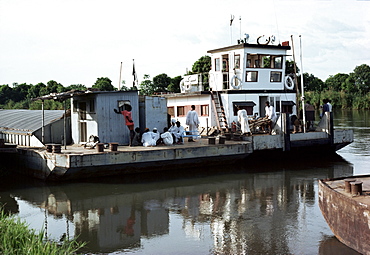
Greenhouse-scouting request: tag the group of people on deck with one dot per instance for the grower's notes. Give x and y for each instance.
(175, 132)
(270, 116)
(172, 135)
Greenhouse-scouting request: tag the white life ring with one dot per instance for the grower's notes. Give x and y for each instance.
(289, 83)
(232, 82)
(182, 85)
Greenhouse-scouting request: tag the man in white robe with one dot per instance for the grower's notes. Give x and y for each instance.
(147, 139)
(167, 137)
(243, 120)
(271, 115)
(179, 133)
(192, 121)
(155, 134)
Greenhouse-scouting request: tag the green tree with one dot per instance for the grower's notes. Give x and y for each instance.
(361, 76)
(311, 83)
(20, 92)
(289, 67)
(76, 87)
(349, 85)
(54, 87)
(104, 84)
(202, 66)
(161, 82)
(175, 85)
(336, 82)
(146, 86)
(5, 94)
(35, 91)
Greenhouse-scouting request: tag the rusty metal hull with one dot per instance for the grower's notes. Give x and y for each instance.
(347, 215)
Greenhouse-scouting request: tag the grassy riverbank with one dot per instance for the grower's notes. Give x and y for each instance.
(16, 238)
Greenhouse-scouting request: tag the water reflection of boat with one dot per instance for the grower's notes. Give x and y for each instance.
(238, 209)
(332, 246)
(345, 205)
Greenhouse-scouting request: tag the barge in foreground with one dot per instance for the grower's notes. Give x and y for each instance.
(345, 205)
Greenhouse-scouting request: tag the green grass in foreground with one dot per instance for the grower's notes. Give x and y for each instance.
(17, 238)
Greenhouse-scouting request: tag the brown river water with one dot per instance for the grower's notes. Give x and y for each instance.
(261, 207)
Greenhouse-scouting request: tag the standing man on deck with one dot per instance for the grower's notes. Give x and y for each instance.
(243, 120)
(270, 115)
(192, 121)
(125, 110)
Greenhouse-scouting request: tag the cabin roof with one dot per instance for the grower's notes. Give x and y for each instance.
(249, 45)
(27, 120)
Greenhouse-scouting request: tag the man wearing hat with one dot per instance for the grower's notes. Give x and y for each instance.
(125, 110)
(155, 135)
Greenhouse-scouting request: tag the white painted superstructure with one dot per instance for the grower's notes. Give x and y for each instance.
(245, 75)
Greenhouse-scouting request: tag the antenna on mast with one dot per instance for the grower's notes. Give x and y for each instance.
(120, 75)
(231, 28)
(240, 27)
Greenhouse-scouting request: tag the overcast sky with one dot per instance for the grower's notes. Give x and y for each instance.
(78, 41)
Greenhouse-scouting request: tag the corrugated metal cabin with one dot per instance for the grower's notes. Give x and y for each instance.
(24, 127)
(93, 114)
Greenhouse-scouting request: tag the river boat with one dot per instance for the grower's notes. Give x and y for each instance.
(245, 76)
(345, 205)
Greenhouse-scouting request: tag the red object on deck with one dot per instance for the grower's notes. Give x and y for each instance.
(286, 43)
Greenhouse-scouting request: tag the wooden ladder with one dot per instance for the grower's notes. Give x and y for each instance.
(219, 111)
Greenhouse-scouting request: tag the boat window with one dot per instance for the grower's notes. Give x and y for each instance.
(217, 64)
(251, 76)
(277, 62)
(180, 111)
(75, 106)
(225, 63)
(204, 110)
(171, 111)
(92, 105)
(237, 61)
(82, 110)
(275, 76)
(225, 81)
(264, 61)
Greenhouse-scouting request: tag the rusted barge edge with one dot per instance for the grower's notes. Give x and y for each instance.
(346, 215)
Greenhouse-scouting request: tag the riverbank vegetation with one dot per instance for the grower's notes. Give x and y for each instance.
(16, 238)
(346, 91)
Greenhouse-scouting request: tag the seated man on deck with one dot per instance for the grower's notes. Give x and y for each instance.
(167, 137)
(147, 138)
(180, 131)
(173, 129)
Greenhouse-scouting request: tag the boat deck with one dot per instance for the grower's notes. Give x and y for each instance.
(80, 149)
(339, 186)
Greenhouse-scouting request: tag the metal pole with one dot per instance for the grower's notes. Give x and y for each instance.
(295, 75)
(65, 126)
(43, 123)
(302, 96)
(120, 73)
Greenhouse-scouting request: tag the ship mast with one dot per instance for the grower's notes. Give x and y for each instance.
(302, 87)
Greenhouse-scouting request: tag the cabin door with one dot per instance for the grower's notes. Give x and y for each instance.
(262, 106)
(82, 121)
(225, 71)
